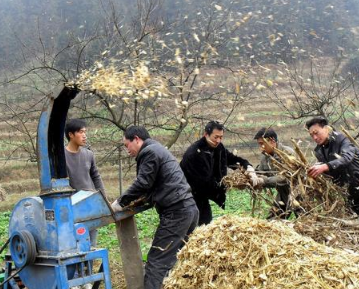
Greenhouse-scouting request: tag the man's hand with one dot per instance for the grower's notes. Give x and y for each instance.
(259, 183)
(255, 180)
(116, 206)
(317, 169)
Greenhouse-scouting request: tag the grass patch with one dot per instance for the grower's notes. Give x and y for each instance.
(4, 226)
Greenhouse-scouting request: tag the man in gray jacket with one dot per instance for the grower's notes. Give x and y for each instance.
(81, 166)
(161, 180)
(271, 179)
(80, 161)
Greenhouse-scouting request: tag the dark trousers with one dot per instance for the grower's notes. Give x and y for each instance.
(281, 207)
(172, 232)
(205, 211)
(353, 198)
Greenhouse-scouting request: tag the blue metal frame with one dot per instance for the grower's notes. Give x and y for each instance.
(60, 270)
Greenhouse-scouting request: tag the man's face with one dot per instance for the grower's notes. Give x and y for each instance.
(268, 146)
(319, 134)
(215, 138)
(78, 137)
(133, 147)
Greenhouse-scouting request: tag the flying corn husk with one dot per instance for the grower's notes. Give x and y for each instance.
(136, 81)
(249, 253)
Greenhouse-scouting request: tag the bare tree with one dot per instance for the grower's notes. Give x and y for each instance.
(186, 74)
(317, 87)
(21, 118)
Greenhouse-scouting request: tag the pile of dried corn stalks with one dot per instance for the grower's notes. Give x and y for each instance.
(311, 195)
(318, 195)
(248, 253)
(325, 216)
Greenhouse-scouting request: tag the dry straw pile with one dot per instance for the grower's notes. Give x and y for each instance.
(318, 195)
(235, 252)
(324, 214)
(326, 218)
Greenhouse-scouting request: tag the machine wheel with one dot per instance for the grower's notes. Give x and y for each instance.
(22, 248)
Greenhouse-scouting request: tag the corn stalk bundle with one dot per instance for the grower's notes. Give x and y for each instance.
(249, 253)
(318, 195)
(237, 179)
(325, 216)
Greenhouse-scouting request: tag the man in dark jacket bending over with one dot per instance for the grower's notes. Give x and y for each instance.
(161, 180)
(337, 157)
(205, 164)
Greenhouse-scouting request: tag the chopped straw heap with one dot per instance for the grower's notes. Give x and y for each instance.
(235, 252)
(324, 214)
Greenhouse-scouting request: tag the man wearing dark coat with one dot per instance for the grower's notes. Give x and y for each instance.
(161, 180)
(337, 157)
(205, 163)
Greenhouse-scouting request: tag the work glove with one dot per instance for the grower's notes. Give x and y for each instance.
(260, 182)
(255, 180)
(125, 200)
(116, 206)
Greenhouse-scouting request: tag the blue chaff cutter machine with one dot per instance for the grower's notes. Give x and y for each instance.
(49, 234)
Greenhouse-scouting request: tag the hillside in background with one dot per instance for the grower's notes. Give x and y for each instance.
(278, 30)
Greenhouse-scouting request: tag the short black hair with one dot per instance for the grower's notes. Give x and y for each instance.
(210, 126)
(266, 132)
(74, 125)
(321, 121)
(135, 130)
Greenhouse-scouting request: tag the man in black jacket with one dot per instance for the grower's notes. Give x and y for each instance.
(205, 163)
(161, 180)
(337, 157)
